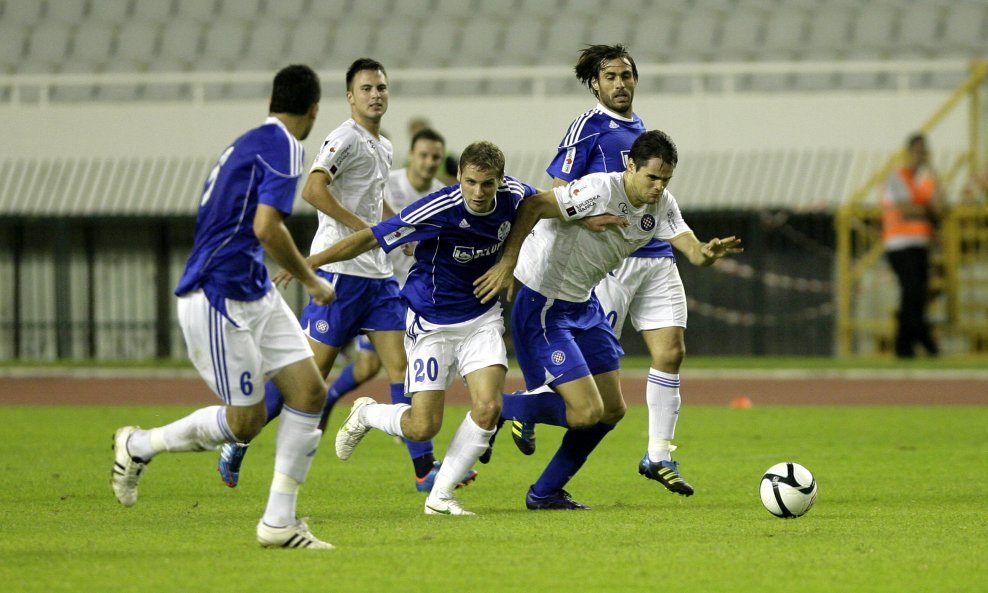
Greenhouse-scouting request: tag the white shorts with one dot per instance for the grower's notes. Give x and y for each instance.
(234, 357)
(437, 353)
(648, 289)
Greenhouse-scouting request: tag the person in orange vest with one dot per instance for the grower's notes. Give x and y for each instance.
(912, 202)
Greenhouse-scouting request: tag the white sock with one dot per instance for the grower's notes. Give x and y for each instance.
(468, 444)
(295, 446)
(663, 400)
(206, 428)
(384, 417)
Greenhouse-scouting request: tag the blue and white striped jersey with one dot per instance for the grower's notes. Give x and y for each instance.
(455, 247)
(598, 141)
(262, 166)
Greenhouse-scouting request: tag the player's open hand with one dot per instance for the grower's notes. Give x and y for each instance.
(599, 223)
(493, 281)
(282, 279)
(718, 248)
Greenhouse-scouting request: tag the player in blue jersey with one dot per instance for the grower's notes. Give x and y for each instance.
(405, 186)
(346, 184)
(238, 329)
(646, 286)
(459, 231)
(562, 337)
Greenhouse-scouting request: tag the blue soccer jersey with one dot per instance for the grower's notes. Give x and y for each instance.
(262, 166)
(599, 142)
(455, 247)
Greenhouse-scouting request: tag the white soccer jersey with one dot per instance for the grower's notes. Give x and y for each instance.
(563, 260)
(400, 193)
(358, 165)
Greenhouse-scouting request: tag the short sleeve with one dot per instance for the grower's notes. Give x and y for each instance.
(407, 226)
(280, 159)
(337, 151)
(671, 223)
(587, 196)
(571, 160)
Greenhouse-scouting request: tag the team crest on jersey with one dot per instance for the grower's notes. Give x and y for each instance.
(322, 326)
(502, 231)
(392, 237)
(568, 161)
(648, 222)
(558, 357)
(466, 255)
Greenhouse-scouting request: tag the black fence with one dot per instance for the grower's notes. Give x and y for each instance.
(774, 299)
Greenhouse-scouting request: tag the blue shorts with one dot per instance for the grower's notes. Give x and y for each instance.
(362, 304)
(560, 341)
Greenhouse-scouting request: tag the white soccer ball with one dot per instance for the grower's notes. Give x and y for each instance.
(788, 490)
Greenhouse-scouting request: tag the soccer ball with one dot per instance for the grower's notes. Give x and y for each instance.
(788, 490)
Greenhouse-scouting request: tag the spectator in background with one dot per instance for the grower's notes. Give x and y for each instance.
(447, 168)
(912, 202)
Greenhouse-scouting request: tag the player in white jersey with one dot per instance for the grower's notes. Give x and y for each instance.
(562, 338)
(238, 329)
(459, 231)
(405, 186)
(346, 184)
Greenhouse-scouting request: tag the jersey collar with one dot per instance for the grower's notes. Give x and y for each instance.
(609, 113)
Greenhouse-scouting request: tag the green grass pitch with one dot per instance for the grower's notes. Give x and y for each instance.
(902, 507)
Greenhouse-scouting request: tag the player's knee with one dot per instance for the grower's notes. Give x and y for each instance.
(247, 422)
(486, 414)
(614, 415)
(669, 358)
(422, 428)
(584, 416)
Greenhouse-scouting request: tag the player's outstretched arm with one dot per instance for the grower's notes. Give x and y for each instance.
(705, 254)
(500, 276)
(270, 230)
(348, 248)
(316, 192)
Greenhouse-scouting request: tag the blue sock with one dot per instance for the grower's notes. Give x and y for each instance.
(273, 400)
(343, 385)
(415, 449)
(572, 454)
(543, 408)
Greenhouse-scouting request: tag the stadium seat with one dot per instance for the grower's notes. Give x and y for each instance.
(964, 31)
(479, 43)
(919, 31)
(785, 34)
(199, 11)
(287, 11)
(181, 40)
(873, 32)
(653, 39)
(534, 9)
(136, 43)
(593, 9)
(110, 12)
(462, 9)
(396, 42)
(608, 29)
(352, 40)
(567, 35)
(829, 32)
(13, 43)
(47, 47)
(741, 36)
(335, 10)
(437, 40)
(698, 35)
(266, 48)
(22, 12)
(247, 11)
(224, 43)
(153, 11)
(66, 11)
(308, 42)
(522, 42)
(92, 45)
